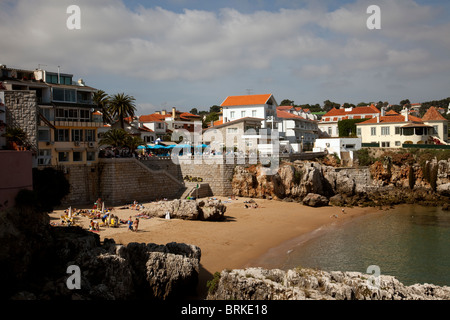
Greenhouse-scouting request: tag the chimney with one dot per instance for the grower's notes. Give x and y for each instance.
(378, 118)
(383, 111)
(157, 112)
(163, 112)
(174, 113)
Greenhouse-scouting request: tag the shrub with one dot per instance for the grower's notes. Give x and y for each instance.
(213, 283)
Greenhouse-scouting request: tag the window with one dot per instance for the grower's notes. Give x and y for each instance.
(89, 135)
(329, 131)
(48, 114)
(77, 135)
(85, 115)
(66, 95)
(44, 135)
(242, 114)
(77, 156)
(397, 143)
(232, 114)
(90, 156)
(254, 113)
(358, 131)
(435, 129)
(385, 144)
(385, 131)
(373, 131)
(397, 130)
(45, 157)
(62, 135)
(63, 156)
(67, 114)
(232, 130)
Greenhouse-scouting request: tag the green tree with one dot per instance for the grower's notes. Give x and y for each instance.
(287, 102)
(194, 111)
(328, 105)
(101, 100)
(212, 116)
(114, 138)
(122, 106)
(132, 142)
(214, 108)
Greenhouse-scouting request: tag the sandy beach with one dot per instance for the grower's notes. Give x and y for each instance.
(245, 238)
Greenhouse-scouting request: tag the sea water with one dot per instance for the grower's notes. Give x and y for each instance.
(409, 242)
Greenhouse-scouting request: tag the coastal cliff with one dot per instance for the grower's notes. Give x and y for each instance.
(383, 183)
(309, 284)
(34, 259)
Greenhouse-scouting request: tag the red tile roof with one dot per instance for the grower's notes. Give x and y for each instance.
(154, 117)
(433, 115)
(246, 100)
(286, 115)
(392, 119)
(358, 110)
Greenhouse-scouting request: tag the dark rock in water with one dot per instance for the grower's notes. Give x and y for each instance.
(34, 261)
(315, 200)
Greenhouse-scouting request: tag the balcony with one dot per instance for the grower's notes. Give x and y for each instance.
(83, 124)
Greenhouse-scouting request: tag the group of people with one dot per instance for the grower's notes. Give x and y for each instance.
(133, 226)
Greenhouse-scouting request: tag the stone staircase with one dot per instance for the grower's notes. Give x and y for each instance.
(204, 190)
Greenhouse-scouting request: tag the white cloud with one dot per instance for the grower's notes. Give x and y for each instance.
(156, 44)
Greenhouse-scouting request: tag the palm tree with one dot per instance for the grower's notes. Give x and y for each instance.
(132, 142)
(101, 99)
(121, 106)
(114, 138)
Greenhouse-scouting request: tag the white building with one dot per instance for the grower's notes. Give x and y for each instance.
(328, 125)
(343, 147)
(300, 132)
(392, 130)
(261, 106)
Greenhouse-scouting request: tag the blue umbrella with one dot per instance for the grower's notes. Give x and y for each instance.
(141, 147)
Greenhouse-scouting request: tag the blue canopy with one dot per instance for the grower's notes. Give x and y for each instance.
(201, 146)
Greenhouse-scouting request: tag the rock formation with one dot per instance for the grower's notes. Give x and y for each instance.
(308, 284)
(34, 258)
(187, 209)
(383, 183)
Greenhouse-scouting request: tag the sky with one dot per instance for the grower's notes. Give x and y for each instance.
(194, 53)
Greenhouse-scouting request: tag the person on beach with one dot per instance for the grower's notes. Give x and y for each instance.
(136, 224)
(130, 224)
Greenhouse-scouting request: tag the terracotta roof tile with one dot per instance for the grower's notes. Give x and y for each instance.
(246, 100)
(286, 115)
(432, 115)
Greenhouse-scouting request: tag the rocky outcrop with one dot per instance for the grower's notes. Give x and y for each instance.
(34, 259)
(383, 183)
(187, 209)
(315, 200)
(308, 284)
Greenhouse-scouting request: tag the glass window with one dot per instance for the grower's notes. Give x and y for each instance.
(232, 114)
(232, 130)
(373, 131)
(397, 130)
(77, 135)
(90, 135)
(385, 144)
(44, 135)
(90, 156)
(254, 113)
(435, 129)
(63, 156)
(77, 156)
(385, 131)
(242, 114)
(45, 157)
(62, 135)
(58, 94)
(358, 131)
